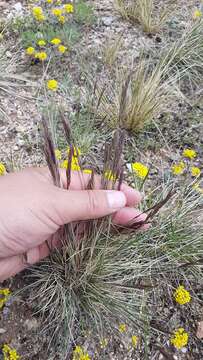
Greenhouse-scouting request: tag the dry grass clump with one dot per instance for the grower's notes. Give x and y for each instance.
(145, 12)
(135, 99)
(103, 273)
(185, 56)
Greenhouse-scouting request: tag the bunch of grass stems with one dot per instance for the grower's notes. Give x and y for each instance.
(133, 99)
(103, 273)
(185, 56)
(144, 12)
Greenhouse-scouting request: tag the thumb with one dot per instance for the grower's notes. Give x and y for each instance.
(86, 204)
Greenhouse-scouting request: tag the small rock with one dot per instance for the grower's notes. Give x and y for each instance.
(107, 20)
(18, 7)
(9, 54)
(31, 324)
(2, 331)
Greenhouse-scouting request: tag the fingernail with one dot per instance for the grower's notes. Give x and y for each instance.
(116, 199)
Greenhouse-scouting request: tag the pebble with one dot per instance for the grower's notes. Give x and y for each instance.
(31, 324)
(107, 20)
(2, 331)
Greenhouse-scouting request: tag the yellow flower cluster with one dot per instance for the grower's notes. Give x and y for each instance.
(58, 154)
(41, 42)
(52, 85)
(109, 175)
(134, 340)
(38, 13)
(2, 169)
(189, 153)
(122, 328)
(10, 354)
(80, 354)
(41, 55)
(180, 167)
(197, 14)
(75, 166)
(181, 295)
(179, 338)
(140, 170)
(195, 171)
(60, 12)
(4, 295)
(61, 48)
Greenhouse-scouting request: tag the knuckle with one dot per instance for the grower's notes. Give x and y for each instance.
(93, 203)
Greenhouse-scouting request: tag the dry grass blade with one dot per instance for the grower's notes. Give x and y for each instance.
(111, 49)
(10, 80)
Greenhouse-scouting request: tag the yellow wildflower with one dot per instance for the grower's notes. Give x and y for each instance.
(122, 328)
(49, 1)
(38, 13)
(69, 8)
(62, 19)
(30, 51)
(85, 357)
(57, 12)
(2, 169)
(55, 41)
(179, 338)
(5, 292)
(189, 153)
(52, 85)
(197, 14)
(80, 354)
(41, 55)
(4, 295)
(103, 343)
(181, 295)
(62, 49)
(74, 164)
(178, 169)
(195, 171)
(10, 354)
(41, 42)
(87, 171)
(139, 169)
(109, 175)
(78, 350)
(58, 154)
(134, 340)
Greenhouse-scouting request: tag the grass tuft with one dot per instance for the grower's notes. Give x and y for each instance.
(144, 12)
(135, 99)
(103, 274)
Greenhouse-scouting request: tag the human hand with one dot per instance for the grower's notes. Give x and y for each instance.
(32, 210)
